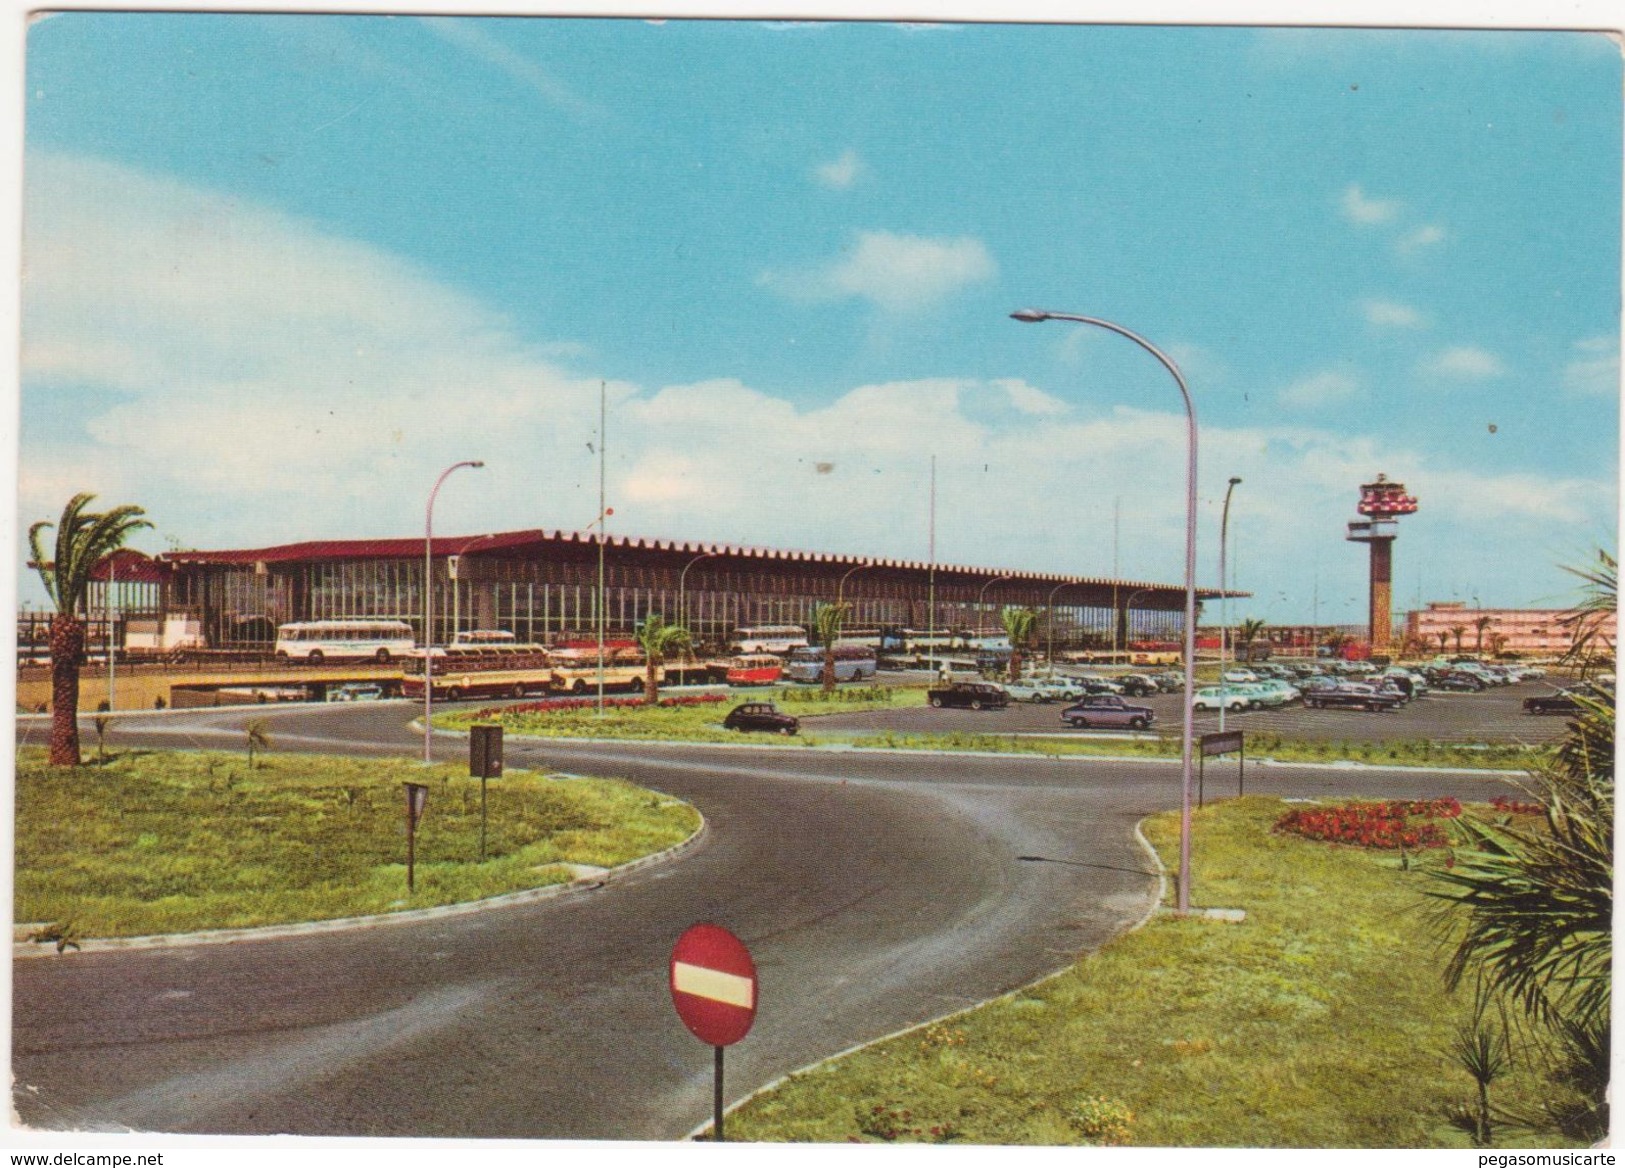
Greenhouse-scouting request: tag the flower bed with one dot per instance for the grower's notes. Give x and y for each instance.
(556, 705)
(1391, 825)
(1508, 806)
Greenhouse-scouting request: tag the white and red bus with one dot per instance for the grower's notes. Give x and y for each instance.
(754, 669)
(481, 671)
(344, 640)
(768, 639)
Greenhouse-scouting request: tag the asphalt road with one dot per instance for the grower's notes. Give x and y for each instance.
(1493, 715)
(875, 890)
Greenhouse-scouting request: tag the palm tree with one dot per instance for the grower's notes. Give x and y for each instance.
(1538, 903)
(1021, 625)
(83, 540)
(1590, 643)
(1458, 632)
(1481, 624)
(1444, 640)
(828, 620)
(257, 736)
(658, 641)
(1246, 633)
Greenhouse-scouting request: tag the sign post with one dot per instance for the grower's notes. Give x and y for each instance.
(484, 762)
(713, 987)
(417, 798)
(1224, 742)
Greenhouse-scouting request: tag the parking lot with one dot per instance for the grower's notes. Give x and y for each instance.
(1490, 716)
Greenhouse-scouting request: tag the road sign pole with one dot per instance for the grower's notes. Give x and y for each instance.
(411, 837)
(482, 819)
(1201, 778)
(716, 1096)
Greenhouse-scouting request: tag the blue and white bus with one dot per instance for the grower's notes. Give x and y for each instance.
(852, 663)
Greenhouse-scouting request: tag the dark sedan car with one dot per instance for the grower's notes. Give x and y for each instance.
(763, 716)
(1564, 700)
(975, 695)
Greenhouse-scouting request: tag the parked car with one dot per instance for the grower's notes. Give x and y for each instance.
(1242, 675)
(1108, 710)
(1564, 701)
(1030, 689)
(1355, 697)
(1460, 681)
(1137, 685)
(764, 716)
(975, 695)
(1209, 697)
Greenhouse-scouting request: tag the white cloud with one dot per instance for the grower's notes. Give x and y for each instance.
(1367, 212)
(898, 273)
(1415, 240)
(1596, 370)
(841, 173)
(276, 383)
(1392, 314)
(1028, 400)
(1320, 389)
(1465, 363)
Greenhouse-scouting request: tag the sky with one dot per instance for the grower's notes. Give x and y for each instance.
(281, 270)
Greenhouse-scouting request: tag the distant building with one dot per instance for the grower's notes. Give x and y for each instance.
(1528, 632)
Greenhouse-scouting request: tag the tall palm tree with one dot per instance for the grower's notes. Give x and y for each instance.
(1246, 633)
(1444, 640)
(1458, 632)
(658, 640)
(1590, 642)
(83, 540)
(828, 620)
(1021, 625)
(1481, 624)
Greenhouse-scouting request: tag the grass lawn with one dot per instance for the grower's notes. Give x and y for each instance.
(158, 842)
(1321, 1021)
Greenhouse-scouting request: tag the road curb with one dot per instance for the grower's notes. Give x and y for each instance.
(22, 950)
(1150, 914)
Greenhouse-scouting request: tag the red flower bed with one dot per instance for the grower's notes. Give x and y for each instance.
(554, 705)
(1391, 825)
(1517, 807)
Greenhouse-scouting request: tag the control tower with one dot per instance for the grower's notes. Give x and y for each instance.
(1381, 502)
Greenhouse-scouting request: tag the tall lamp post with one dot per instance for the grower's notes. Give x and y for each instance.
(1224, 596)
(428, 605)
(1128, 607)
(682, 580)
(1033, 315)
(1049, 621)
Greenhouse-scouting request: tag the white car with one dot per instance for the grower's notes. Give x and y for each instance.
(1031, 689)
(1241, 675)
(1208, 698)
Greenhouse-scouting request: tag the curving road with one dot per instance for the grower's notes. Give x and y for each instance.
(876, 890)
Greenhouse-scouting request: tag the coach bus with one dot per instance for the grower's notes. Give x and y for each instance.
(852, 663)
(313, 642)
(768, 639)
(481, 671)
(754, 669)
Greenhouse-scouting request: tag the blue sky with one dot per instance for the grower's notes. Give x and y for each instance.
(281, 270)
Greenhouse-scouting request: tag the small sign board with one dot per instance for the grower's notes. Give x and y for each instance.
(713, 984)
(417, 798)
(1226, 742)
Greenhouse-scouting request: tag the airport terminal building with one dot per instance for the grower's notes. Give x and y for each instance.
(544, 586)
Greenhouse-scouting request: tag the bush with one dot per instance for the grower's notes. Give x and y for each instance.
(1374, 825)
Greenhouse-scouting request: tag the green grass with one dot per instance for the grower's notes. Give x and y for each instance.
(1321, 1021)
(169, 842)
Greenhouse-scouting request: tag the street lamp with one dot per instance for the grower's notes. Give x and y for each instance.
(983, 593)
(428, 608)
(1032, 316)
(1128, 607)
(1049, 622)
(682, 579)
(1224, 596)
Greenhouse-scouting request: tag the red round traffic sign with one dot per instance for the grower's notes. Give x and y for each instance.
(713, 984)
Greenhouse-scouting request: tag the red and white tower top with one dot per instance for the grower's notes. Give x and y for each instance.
(1384, 500)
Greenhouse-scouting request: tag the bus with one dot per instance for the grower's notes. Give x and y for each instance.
(576, 669)
(852, 663)
(484, 637)
(344, 640)
(768, 639)
(754, 669)
(481, 671)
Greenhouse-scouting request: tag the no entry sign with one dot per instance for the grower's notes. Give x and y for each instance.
(713, 984)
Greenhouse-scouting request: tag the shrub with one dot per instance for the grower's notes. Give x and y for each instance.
(1101, 1120)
